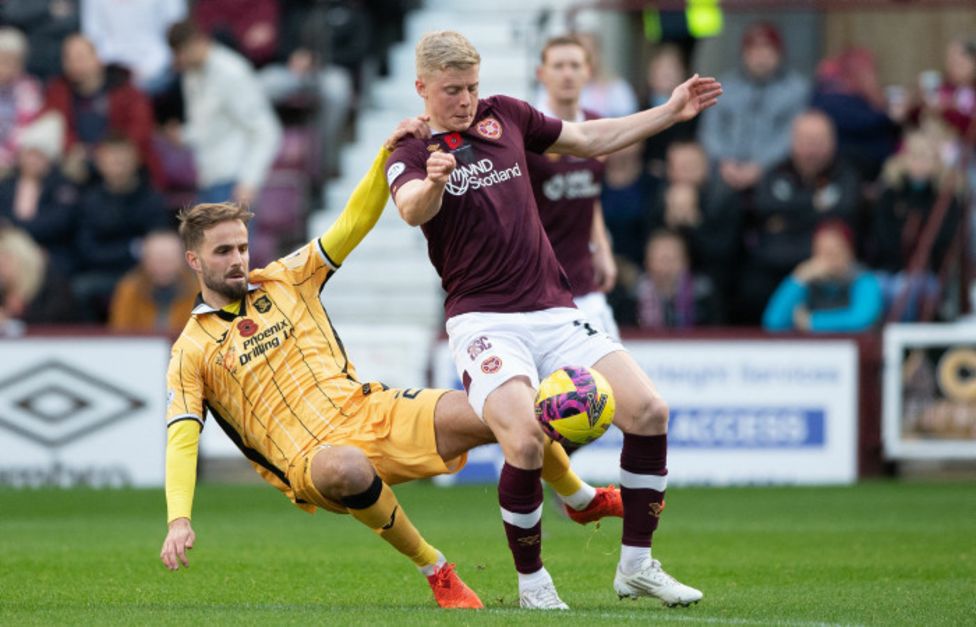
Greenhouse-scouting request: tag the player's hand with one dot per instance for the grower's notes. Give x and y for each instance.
(416, 126)
(440, 165)
(179, 540)
(604, 270)
(694, 96)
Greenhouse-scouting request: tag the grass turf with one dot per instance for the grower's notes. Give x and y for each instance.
(878, 553)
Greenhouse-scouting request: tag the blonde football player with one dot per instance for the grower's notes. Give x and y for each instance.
(509, 307)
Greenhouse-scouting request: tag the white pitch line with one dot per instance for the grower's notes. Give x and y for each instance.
(725, 621)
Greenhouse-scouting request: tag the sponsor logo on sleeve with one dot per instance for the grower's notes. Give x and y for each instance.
(395, 170)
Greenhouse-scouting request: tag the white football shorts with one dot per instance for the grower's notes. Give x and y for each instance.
(595, 307)
(491, 348)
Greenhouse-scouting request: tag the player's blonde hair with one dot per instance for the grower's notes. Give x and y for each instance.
(196, 220)
(445, 49)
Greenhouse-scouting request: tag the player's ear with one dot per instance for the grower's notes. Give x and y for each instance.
(421, 87)
(192, 260)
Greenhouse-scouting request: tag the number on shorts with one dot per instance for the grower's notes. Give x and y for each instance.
(586, 326)
(410, 393)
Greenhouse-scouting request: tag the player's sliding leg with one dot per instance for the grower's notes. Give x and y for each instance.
(344, 474)
(508, 410)
(643, 417)
(582, 502)
(458, 430)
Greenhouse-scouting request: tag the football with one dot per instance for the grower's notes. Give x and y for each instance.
(574, 405)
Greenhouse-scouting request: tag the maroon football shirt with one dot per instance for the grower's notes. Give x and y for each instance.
(566, 189)
(487, 242)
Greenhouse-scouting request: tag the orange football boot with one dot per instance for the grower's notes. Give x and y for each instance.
(450, 591)
(607, 502)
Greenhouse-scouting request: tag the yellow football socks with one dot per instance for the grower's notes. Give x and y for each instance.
(556, 471)
(386, 518)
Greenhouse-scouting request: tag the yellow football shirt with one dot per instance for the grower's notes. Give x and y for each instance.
(273, 373)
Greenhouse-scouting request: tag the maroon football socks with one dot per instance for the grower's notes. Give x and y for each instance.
(520, 497)
(643, 480)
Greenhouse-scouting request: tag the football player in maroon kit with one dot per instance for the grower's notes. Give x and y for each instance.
(509, 306)
(567, 188)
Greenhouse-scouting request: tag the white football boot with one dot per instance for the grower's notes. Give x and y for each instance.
(543, 597)
(651, 581)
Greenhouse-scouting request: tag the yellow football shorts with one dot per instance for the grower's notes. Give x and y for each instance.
(396, 432)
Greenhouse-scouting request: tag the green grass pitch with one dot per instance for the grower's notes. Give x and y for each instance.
(879, 553)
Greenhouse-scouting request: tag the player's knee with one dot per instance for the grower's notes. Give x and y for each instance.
(526, 449)
(650, 416)
(342, 471)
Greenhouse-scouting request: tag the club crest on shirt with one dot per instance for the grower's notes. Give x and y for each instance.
(247, 327)
(263, 304)
(491, 365)
(489, 128)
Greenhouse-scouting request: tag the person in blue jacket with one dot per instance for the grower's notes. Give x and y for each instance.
(828, 293)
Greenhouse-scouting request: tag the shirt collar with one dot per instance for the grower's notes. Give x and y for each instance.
(200, 307)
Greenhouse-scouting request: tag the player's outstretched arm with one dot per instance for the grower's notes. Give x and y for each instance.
(419, 200)
(182, 446)
(599, 137)
(368, 200)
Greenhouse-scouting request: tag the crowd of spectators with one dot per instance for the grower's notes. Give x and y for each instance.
(822, 203)
(115, 114)
(814, 203)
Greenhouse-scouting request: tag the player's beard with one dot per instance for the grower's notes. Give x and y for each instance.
(219, 283)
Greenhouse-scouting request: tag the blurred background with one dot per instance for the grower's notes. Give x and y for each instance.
(844, 139)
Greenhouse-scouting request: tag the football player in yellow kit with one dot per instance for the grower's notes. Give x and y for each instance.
(260, 356)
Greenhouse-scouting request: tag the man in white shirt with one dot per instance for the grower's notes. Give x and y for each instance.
(230, 125)
(133, 34)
